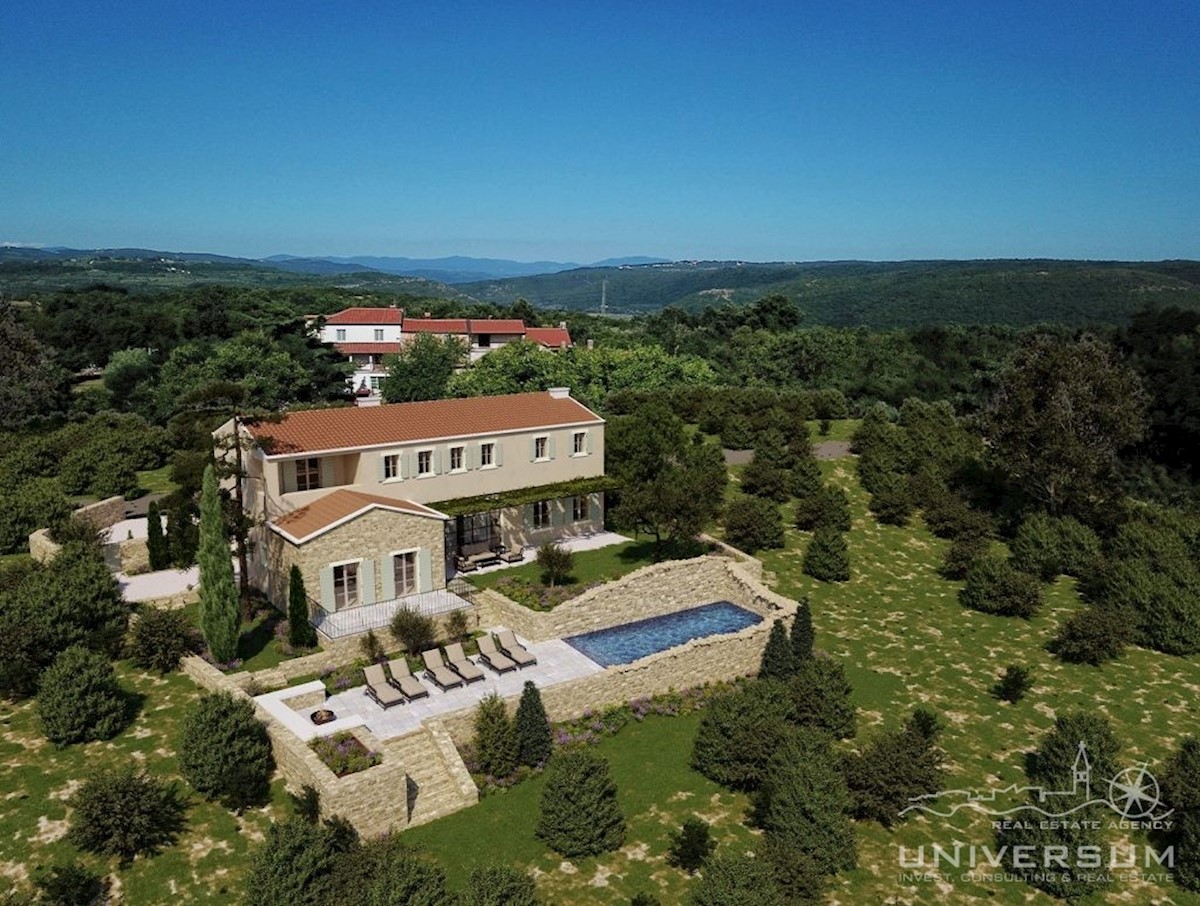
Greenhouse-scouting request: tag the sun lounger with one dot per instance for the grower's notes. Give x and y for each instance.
(437, 671)
(493, 657)
(403, 680)
(514, 649)
(461, 664)
(378, 689)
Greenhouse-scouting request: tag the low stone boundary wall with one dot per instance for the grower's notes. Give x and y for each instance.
(41, 547)
(104, 513)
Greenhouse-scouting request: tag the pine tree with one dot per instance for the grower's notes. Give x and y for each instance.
(220, 617)
(827, 557)
(778, 661)
(532, 728)
(579, 813)
(495, 742)
(300, 631)
(803, 636)
(156, 541)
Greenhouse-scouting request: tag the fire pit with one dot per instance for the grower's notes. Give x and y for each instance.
(323, 716)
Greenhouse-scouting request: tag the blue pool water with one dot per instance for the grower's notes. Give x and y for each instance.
(626, 643)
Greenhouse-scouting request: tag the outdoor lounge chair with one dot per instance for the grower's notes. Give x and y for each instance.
(403, 680)
(462, 665)
(493, 657)
(435, 669)
(514, 649)
(378, 689)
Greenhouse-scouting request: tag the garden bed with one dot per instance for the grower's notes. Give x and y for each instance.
(344, 753)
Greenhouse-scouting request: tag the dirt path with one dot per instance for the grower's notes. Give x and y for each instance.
(826, 449)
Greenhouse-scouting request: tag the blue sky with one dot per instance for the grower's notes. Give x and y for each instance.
(573, 131)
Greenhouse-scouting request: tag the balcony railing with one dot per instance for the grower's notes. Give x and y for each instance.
(365, 617)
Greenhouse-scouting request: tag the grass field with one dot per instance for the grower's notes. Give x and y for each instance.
(157, 481)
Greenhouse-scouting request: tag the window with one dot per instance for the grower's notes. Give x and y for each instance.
(340, 334)
(405, 568)
(376, 382)
(579, 445)
(579, 509)
(540, 448)
(308, 474)
(487, 455)
(541, 514)
(345, 585)
(456, 459)
(378, 334)
(391, 466)
(483, 340)
(425, 462)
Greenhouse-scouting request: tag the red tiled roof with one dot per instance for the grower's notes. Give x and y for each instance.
(340, 506)
(496, 325)
(435, 325)
(316, 430)
(367, 316)
(549, 336)
(367, 348)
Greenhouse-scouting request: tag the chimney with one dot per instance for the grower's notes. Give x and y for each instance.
(560, 393)
(562, 325)
(591, 343)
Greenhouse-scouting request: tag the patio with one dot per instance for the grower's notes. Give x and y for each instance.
(528, 555)
(355, 620)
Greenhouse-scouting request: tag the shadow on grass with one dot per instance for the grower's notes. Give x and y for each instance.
(257, 637)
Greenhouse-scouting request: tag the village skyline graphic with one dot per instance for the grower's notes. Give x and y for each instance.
(1133, 793)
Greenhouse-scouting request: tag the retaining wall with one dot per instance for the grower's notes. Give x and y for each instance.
(41, 548)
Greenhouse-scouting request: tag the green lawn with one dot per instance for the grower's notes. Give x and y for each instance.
(157, 481)
(839, 429)
(657, 791)
(206, 863)
(257, 648)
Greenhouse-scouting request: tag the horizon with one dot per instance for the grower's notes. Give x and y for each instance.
(771, 133)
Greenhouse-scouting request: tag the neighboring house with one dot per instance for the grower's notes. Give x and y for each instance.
(375, 503)
(366, 335)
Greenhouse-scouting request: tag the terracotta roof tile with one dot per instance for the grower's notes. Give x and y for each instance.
(337, 507)
(367, 316)
(435, 325)
(316, 430)
(496, 325)
(549, 336)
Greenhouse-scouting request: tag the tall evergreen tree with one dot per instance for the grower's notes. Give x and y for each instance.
(579, 813)
(300, 631)
(827, 557)
(778, 662)
(219, 611)
(156, 541)
(532, 727)
(495, 741)
(803, 636)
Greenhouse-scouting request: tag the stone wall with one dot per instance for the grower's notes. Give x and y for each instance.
(41, 548)
(104, 513)
(134, 556)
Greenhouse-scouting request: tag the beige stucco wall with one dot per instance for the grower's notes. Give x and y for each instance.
(517, 532)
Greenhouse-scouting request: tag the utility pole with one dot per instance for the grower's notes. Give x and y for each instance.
(603, 298)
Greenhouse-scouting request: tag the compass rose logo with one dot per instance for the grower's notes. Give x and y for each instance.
(1133, 793)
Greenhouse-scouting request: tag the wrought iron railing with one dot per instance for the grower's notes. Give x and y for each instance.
(365, 617)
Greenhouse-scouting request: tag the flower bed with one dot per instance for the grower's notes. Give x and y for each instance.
(536, 596)
(343, 753)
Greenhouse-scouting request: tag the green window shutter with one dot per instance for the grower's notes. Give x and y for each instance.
(328, 476)
(557, 516)
(382, 467)
(424, 570)
(366, 582)
(550, 446)
(587, 441)
(471, 456)
(437, 461)
(327, 588)
(498, 454)
(388, 565)
(287, 474)
(527, 517)
(533, 450)
(405, 465)
(595, 508)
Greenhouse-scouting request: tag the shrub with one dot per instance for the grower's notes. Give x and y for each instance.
(225, 753)
(160, 639)
(125, 812)
(1078, 546)
(753, 524)
(301, 633)
(827, 557)
(1181, 779)
(994, 586)
(737, 880)
(500, 885)
(371, 647)
(1187, 849)
(1073, 839)
(739, 732)
(579, 813)
(802, 633)
(156, 541)
(820, 696)
(1035, 548)
(555, 563)
(893, 505)
(307, 803)
(805, 479)
(828, 507)
(532, 728)
(415, 632)
(691, 845)
(31, 505)
(1014, 683)
(641, 898)
(778, 659)
(1094, 635)
(343, 753)
(737, 433)
(293, 865)
(895, 767)
(962, 554)
(1055, 759)
(68, 885)
(496, 745)
(387, 871)
(79, 699)
(457, 626)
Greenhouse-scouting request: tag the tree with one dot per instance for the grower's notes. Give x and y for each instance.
(691, 845)
(415, 631)
(1054, 761)
(995, 586)
(69, 884)
(33, 504)
(387, 871)
(894, 768)
(820, 697)
(827, 556)
(160, 639)
(301, 633)
(156, 541)
(555, 562)
(183, 535)
(803, 636)
(961, 555)
(778, 659)
(768, 474)
(532, 728)
(1181, 778)
(737, 880)
(753, 524)
(1015, 682)
(293, 866)
(1061, 414)
(496, 745)
(79, 698)
(225, 753)
(740, 731)
(579, 814)
(805, 479)
(499, 885)
(1094, 635)
(892, 501)
(422, 368)
(125, 812)
(32, 384)
(829, 507)
(220, 618)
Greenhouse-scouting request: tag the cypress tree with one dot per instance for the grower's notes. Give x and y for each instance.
(778, 662)
(532, 728)
(156, 541)
(579, 813)
(300, 631)
(495, 741)
(220, 617)
(803, 636)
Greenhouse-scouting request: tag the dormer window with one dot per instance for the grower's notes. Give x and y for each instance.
(308, 474)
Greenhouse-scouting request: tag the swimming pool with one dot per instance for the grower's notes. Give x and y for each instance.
(626, 643)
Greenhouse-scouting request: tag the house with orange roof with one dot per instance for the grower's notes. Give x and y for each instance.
(380, 503)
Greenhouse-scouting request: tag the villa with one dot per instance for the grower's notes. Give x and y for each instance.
(386, 503)
(366, 335)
